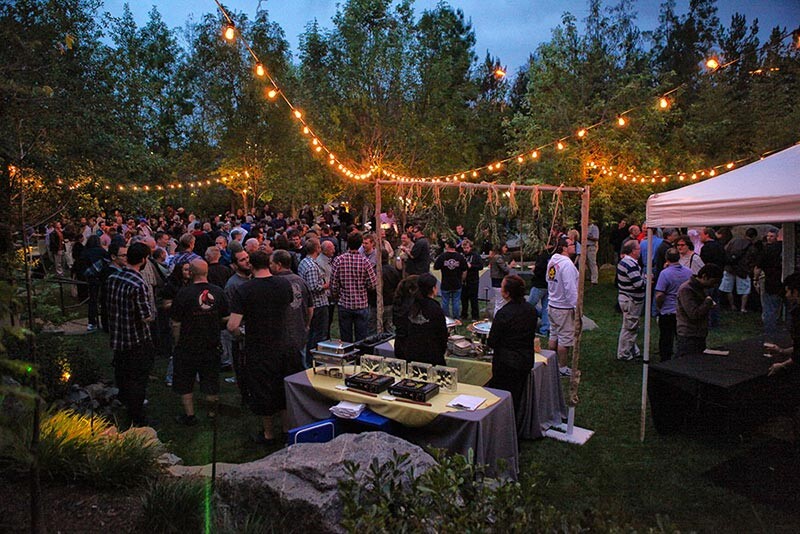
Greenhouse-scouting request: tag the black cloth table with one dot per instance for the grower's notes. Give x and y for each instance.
(735, 387)
(489, 433)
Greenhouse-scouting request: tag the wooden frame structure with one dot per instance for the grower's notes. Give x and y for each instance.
(585, 198)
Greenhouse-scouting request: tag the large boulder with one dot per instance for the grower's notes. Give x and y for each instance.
(299, 484)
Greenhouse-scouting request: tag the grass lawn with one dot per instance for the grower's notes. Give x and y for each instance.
(614, 472)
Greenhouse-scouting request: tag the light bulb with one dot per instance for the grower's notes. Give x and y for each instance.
(272, 93)
(535, 154)
(230, 33)
(712, 63)
(260, 71)
(663, 103)
(581, 132)
(297, 114)
(560, 145)
(621, 121)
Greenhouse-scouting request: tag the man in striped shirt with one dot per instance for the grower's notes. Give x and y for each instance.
(631, 285)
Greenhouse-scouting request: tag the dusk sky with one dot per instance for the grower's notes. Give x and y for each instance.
(509, 29)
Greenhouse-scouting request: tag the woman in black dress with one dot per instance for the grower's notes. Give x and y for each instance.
(512, 337)
(420, 326)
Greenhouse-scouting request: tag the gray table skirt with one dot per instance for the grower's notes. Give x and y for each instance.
(490, 434)
(543, 403)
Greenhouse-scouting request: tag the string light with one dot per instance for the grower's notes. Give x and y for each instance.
(499, 73)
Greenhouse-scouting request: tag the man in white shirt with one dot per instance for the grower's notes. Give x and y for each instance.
(562, 291)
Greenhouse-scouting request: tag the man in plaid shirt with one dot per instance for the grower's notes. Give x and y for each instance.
(311, 273)
(129, 311)
(352, 276)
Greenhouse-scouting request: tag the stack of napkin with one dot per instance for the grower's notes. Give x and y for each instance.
(347, 410)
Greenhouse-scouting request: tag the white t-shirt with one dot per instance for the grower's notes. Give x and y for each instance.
(562, 282)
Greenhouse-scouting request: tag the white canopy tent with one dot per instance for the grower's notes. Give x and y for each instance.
(766, 191)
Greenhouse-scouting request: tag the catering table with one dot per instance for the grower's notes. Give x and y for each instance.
(488, 432)
(543, 403)
(733, 388)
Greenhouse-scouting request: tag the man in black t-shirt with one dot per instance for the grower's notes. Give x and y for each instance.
(419, 257)
(262, 303)
(198, 313)
(454, 270)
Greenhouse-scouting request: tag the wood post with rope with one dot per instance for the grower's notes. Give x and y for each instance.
(379, 262)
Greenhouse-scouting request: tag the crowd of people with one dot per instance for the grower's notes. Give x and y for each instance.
(256, 292)
(694, 275)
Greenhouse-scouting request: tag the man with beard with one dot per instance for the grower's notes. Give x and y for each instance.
(262, 303)
(198, 312)
(301, 309)
(312, 274)
(231, 350)
(129, 312)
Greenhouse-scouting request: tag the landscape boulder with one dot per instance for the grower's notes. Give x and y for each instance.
(299, 484)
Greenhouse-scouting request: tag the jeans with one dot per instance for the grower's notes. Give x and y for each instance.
(469, 299)
(131, 371)
(353, 324)
(318, 332)
(539, 299)
(668, 329)
(226, 340)
(631, 312)
(94, 296)
(388, 322)
(451, 303)
(372, 324)
(689, 345)
(770, 310)
(591, 262)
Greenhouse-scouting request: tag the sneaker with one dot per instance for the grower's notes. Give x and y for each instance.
(625, 358)
(565, 371)
(231, 380)
(187, 420)
(91, 328)
(168, 383)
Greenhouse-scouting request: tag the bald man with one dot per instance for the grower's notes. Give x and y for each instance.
(199, 312)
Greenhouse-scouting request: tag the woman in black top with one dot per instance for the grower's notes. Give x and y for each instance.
(512, 338)
(420, 326)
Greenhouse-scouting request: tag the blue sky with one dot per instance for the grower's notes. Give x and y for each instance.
(509, 29)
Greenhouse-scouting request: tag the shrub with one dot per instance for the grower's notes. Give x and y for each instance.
(173, 505)
(454, 496)
(61, 361)
(79, 448)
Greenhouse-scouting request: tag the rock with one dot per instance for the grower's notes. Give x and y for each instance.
(299, 484)
(168, 459)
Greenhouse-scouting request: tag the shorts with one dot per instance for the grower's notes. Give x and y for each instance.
(188, 366)
(264, 374)
(742, 284)
(562, 326)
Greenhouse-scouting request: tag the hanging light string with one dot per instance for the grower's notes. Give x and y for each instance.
(317, 145)
(621, 120)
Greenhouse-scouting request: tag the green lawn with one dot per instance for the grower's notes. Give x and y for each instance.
(614, 472)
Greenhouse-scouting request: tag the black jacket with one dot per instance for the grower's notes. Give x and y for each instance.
(512, 335)
(420, 331)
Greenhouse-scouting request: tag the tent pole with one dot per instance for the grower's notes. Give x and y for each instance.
(379, 262)
(648, 303)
